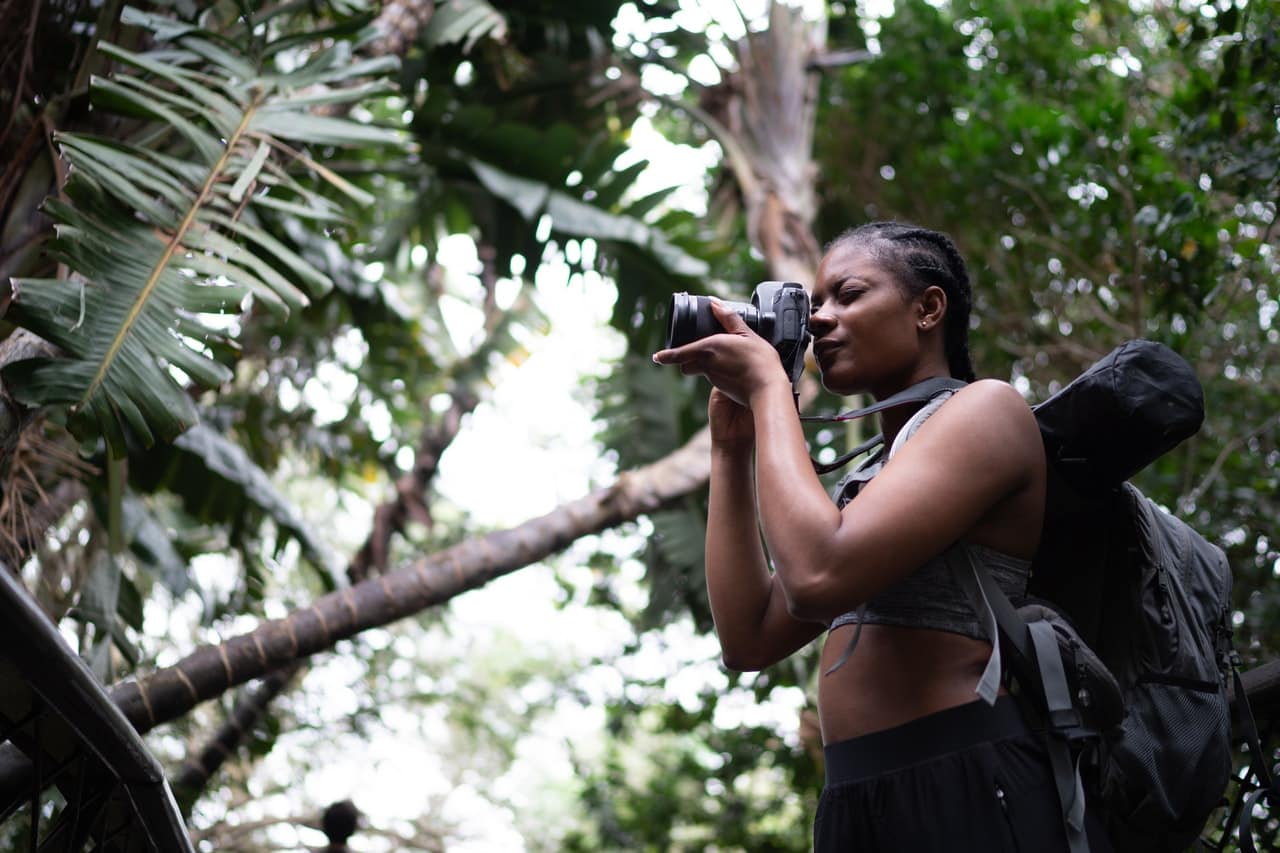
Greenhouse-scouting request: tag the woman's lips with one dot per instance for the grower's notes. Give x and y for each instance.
(824, 351)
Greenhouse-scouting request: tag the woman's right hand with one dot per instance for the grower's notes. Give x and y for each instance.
(732, 427)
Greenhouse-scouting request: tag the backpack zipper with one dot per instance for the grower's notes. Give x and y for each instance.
(1166, 609)
(1083, 696)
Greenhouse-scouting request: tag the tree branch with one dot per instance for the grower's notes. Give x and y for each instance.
(838, 59)
(249, 708)
(210, 670)
(1215, 470)
(399, 25)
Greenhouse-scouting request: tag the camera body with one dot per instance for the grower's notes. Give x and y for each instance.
(778, 312)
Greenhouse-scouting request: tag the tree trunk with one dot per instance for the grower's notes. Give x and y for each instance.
(399, 25)
(15, 417)
(249, 709)
(767, 108)
(210, 670)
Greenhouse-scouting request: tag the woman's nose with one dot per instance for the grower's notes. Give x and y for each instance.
(820, 323)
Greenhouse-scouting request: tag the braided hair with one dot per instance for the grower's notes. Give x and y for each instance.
(919, 258)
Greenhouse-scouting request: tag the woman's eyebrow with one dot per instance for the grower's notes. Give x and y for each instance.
(840, 282)
(832, 285)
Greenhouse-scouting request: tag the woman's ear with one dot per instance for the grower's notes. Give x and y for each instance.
(931, 307)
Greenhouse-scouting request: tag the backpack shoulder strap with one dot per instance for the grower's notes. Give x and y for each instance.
(1037, 660)
(917, 420)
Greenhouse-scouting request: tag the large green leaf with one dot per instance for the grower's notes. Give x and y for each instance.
(160, 232)
(464, 21)
(577, 218)
(224, 460)
(150, 543)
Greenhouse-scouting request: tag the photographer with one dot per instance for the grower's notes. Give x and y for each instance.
(914, 761)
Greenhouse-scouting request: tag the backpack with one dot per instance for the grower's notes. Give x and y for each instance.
(1123, 647)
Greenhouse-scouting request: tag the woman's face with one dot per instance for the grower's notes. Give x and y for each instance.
(865, 328)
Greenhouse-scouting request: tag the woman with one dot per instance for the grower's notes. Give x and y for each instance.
(914, 760)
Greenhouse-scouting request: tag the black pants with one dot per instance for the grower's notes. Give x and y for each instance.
(972, 777)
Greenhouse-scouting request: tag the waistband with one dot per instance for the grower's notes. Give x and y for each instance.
(920, 740)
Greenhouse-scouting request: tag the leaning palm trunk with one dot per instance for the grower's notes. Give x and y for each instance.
(209, 671)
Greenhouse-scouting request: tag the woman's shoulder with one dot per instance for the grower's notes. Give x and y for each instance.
(994, 392)
(993, 397)
(989, 412)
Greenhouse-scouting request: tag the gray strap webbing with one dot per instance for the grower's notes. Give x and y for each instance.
(853, 641)
(986, 597)
(1066, 776)
(1057, 693)
(971, 582)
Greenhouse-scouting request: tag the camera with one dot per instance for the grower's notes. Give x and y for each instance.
(778, 312)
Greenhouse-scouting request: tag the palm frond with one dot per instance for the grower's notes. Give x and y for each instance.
(577, 218)
(465, 22)
(161, 231)
(211, 465)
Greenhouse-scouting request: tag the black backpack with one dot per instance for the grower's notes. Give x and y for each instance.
(1144, 591)
(1123, 647)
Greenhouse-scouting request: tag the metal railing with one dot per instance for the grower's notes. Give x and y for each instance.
(1262, 687)
(74, 775)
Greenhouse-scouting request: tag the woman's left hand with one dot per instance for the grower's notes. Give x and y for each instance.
(738, 362)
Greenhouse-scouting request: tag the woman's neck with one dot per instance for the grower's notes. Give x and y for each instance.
(892, 420)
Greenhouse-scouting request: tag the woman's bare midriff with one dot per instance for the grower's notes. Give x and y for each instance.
(896, 674)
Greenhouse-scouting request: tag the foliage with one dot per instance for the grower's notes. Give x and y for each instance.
(289, 204)
(691, 784)
(192, 213)
(238, 154)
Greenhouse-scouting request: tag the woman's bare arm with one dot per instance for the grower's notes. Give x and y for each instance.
(976, 452)
(747, 602)
(976, 458)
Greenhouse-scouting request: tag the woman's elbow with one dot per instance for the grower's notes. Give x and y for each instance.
(747, 657)
(737, 661)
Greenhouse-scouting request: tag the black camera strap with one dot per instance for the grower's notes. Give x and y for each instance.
(921, 392)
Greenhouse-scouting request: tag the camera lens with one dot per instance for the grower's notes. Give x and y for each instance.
(690, 318)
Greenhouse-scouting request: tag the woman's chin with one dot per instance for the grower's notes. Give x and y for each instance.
(838, 383)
